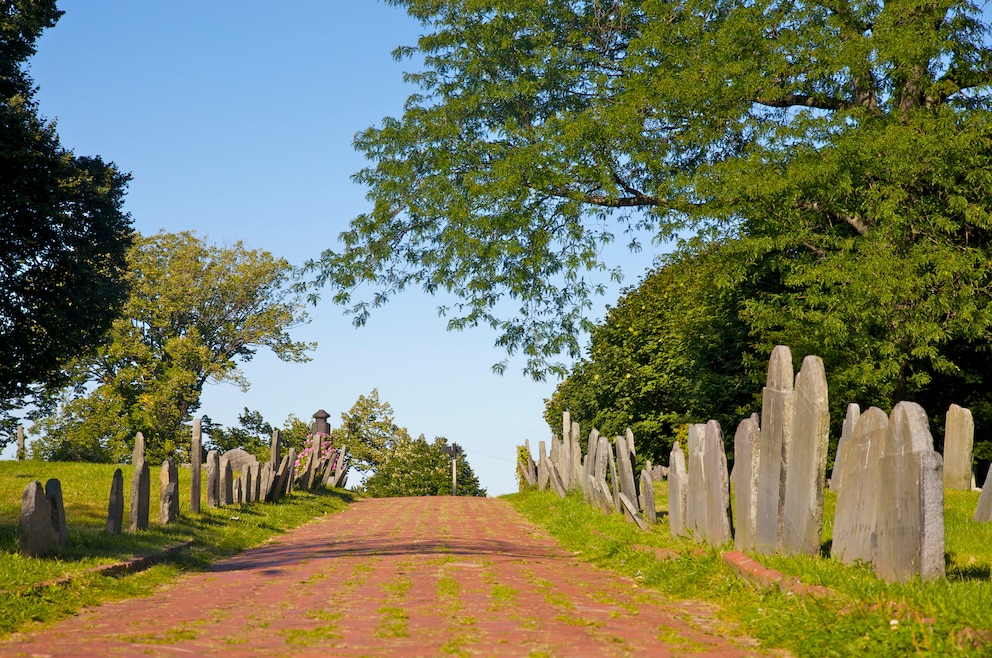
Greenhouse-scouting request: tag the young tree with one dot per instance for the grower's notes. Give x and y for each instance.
(252, 434)
(417, 468)
(195, 312)
(370, 432)
(65, 236)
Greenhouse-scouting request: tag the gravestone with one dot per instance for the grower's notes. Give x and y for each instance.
(196, 464)
(576, 459)
(695, 504)
(291, 478)
(959, 438)
(805, 477)
(35, 534)
(777, 411)
(238, 457)
(647, 498)
(239, 492)
(279, 479)
(856, 515)
(745, 481)
(256, 485)
(140, 486)
(911, 500)
(341, 468)
(556, 482)
(115, 506)
(225, 483)
(614, 478)
(53, 492)
(265, 479)
(169, 492)
(275, 447)
(846, 432)
(625, 466)
(677, 489)
(213, 478)
(708, 517)
(983, 511)
(248, 482)
(543, 479)
(22, 452)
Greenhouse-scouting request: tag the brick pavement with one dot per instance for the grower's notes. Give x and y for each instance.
(397, 577)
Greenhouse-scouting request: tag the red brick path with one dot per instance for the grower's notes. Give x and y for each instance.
(397, 577)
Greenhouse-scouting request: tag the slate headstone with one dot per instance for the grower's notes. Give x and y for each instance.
(677, 490)
(22, 452)
(140, 496)
(275, 447)
(983, 511)
(777, 411)
(115, 505)
(959, 439)
(169, 491)
(745, 482)
(196, 464)
(35, 534)
(213, 478)
(856, 516)
(543, 479)
(226, 483)
(647, 493)
(53, 492)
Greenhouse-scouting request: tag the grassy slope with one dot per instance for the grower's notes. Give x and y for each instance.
(865, 616)
(86, 489)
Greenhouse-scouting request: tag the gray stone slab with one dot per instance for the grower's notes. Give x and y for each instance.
(248, 482)
(291, 480)
(239, 491)
(805, 478)
(777, 412)
(35, 534)
(576, 457)
(22, 452)
(625, 468)
(543, 479)
(53, 492)
(614, 478)
(140, 495)
(695, 505)
(717, 481)
(275, 447)
(341, 468)
(213, 478)
(169, 492)
(632, 513)
(115, 504)
(138, 452)
(226, 483)
(195, 466)
(959, 439)
(846, 432)
(745, 482)
(555, 478)
(677, 490)
(238, 457)
(856, 516)
(647, 495)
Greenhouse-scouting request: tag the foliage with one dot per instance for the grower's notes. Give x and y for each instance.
(369, 431)
(326, 451)
(669, 353)
(195, 311)
(415, 467)
(215, 532)
(838, 154)
(252, 434)
(65, 235)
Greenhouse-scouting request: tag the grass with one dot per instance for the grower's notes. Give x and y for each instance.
(865, 616)
(216, 533)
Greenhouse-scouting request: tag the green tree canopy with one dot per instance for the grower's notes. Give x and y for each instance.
(370, 432)
(838, 151)
(195, 312)
(415, 467)
(64, 236)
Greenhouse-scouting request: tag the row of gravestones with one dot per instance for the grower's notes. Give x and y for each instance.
(42, 525)
(606, 478)
(888, 478)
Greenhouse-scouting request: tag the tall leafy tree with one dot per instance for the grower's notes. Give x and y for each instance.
(370, 431)
(196, 311)
(415, 467)
(840, 149)
(65, 236)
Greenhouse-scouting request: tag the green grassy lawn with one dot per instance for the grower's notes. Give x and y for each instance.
(864, 616)
(216, 533)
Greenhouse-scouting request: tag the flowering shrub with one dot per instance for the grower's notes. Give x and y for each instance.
(326, 451)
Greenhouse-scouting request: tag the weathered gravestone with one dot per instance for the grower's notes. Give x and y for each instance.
(625, 467)
(36, 535)
(237, 458)
(115, 505)
(708, 493)
(983, 511)
(265, 479)
(745, 481)
(777, 405)
(292, 471)
(213, 478)
(805, 477)
(543, 479)
(53, 492)
(226, 483)
(647, 497)
(677, 489)
(279, 478)
(846, 432)
(275, 446)
(195, 463)
(248, 482)
(169, 492)
(341, 468)
(857, 473)
(911, 499)
(959, 439)
(238, 493)
(22, 452)
(140, 486)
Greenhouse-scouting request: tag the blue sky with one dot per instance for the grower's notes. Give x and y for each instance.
(236, 120)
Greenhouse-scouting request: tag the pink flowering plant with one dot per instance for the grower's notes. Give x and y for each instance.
(326, 451)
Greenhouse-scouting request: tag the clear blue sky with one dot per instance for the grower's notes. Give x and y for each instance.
(236, 118)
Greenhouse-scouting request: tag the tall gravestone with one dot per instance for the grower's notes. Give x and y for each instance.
(195, 463)
(239, 493)
(708, 496)
(36, 536)
(140, 486)
(53, 492)
(275, 446)
(248, 482)
(213, 478)
(846, 432)
(695, 490)
(805, 478)
(745, 481)
(857, 472)
(169, 492)
(911, 499)
(777, 407)
(625, 466)
(226, 483)
(677, 482)
(22, 452)
(647, 495)
(983, 511)
(292, 471)
(115, 505)
(959, 439)
(543, 479)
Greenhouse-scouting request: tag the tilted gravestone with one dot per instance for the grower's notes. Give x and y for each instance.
(140, 486)
(279, 479)
(745, 482)
(53, 492)
(115, 505)
(292, 471)
(226, 483)
(275, 445)
(625, 466)
(341, 468)
(677, 489)
(543, 479)
(983, 511)
(805, 477)
(911, 499)
(196, 463)
(36, 536)
(856, 516)
(959, 439)
(169, 492)
(213, 478)
(846, 432)
(777, 404)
